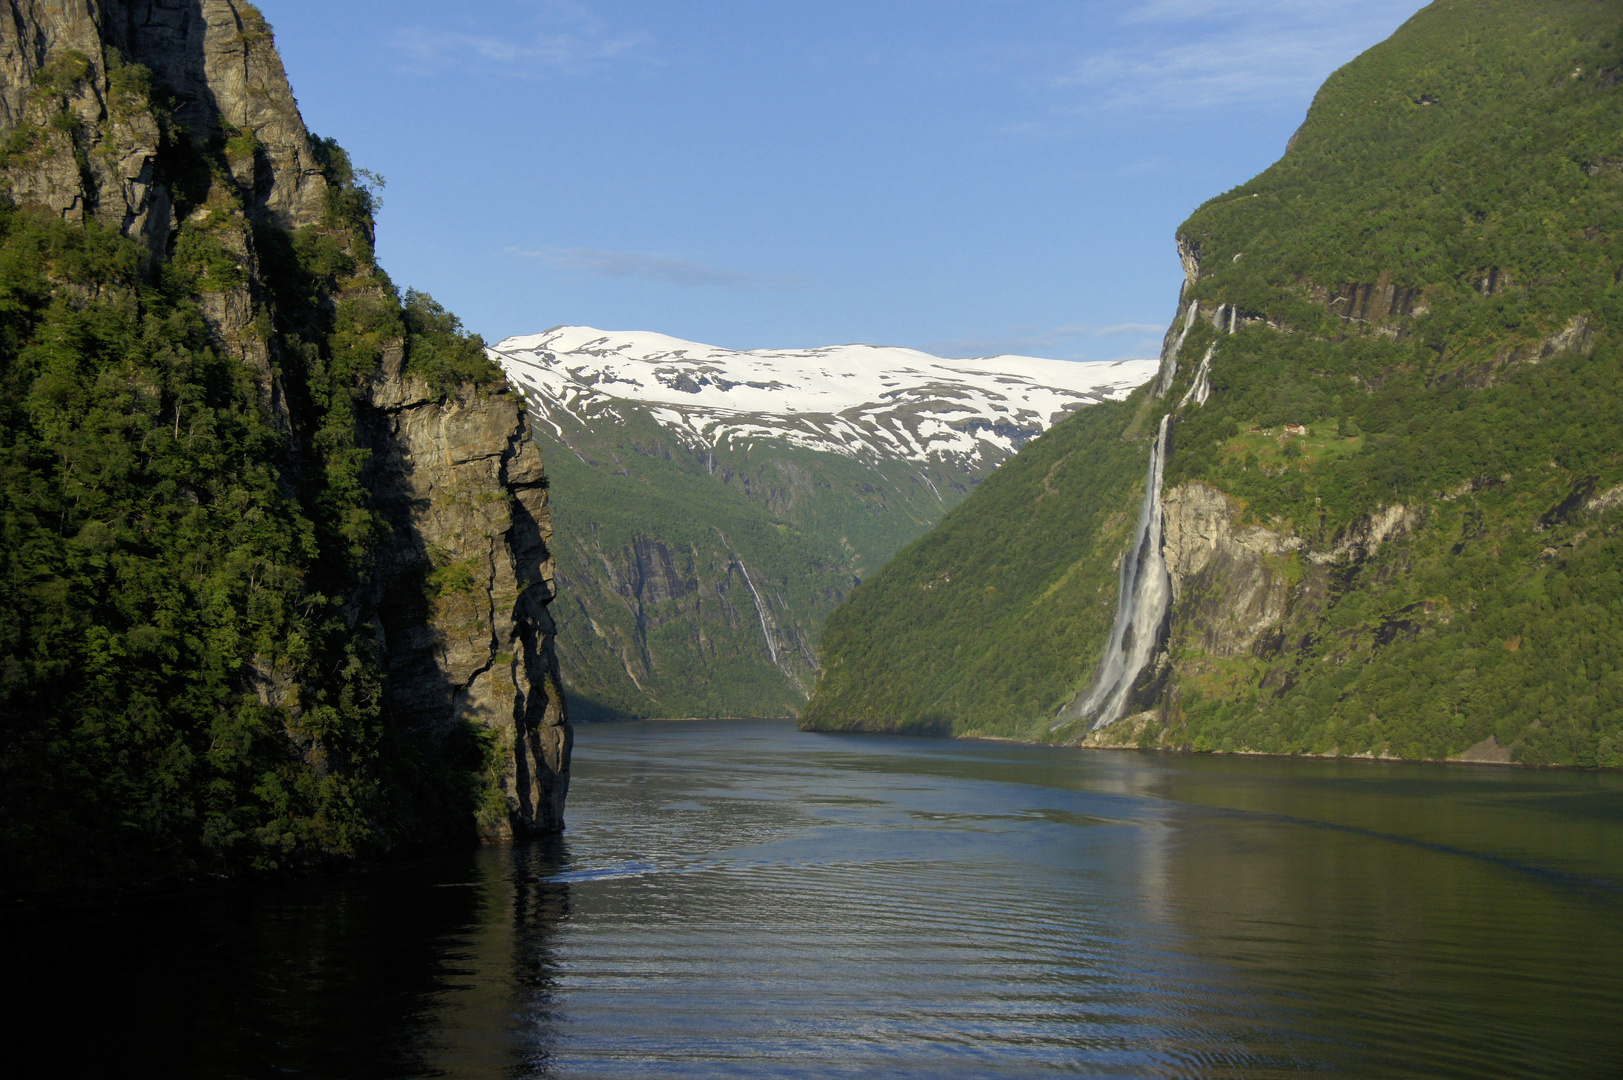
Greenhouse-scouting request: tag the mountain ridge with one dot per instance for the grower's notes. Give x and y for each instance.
(1006, 398)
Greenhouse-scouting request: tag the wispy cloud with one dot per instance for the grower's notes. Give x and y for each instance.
(1017, 340)
(631, 264)
(1142, 328)
(1194, 54)
(564, 38)
(1186, 10)
(1059, 342)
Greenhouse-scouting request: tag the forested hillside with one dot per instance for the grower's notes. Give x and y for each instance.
(1392, 526)
(228, 611)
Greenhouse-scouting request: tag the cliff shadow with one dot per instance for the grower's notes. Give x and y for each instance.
(445, 754)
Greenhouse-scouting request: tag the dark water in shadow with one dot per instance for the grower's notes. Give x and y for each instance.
(739, 899)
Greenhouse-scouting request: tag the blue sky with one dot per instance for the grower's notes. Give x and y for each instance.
(966, 177)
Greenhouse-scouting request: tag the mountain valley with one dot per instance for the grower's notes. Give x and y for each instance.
(714, 505)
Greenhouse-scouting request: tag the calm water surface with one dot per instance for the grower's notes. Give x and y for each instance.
(740, 899)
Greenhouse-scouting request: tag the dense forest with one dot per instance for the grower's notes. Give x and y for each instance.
(190, 674)
(1416, 314)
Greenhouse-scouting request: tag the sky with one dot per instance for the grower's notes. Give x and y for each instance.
(966, 177)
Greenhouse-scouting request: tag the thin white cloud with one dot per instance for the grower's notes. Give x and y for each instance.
(1056, 342)
(1186, 10)
(631, 264)
(565, 38)
(1196, 54)
(1017, 341)
(1151, 329)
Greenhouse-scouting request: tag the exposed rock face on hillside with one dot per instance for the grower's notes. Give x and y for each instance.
(1226, 590)
(171, 123)
(1242, 592)
(217, 60)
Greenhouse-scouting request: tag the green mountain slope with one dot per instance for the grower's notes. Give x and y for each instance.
(1427, 284)
(696, 584)
(974, 628)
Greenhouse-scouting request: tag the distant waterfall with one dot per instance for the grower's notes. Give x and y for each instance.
(760, 608)
(1169, 357)
(1201, 388)
(1141, 606)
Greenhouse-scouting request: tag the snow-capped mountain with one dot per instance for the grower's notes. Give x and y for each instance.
(854, 400)
(711, 507)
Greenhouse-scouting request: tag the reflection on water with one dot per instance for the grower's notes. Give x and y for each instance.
(740, 899)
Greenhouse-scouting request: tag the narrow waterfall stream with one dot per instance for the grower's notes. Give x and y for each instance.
(760, 608)
(1201, 388)
(1169, 355)
(1141, 606)
(1145, 592)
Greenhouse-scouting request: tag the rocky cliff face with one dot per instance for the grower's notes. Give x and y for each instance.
(216, 61)
(670, 619)
(1248, 603)
(463, 588)
(172, 123)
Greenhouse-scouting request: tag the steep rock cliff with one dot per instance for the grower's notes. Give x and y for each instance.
(462, 485)
(696, 629)
(318, 505)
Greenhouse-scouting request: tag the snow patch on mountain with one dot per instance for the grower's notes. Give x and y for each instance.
(855, 400)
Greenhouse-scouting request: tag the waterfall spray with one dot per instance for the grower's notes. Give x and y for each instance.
(1142, 600)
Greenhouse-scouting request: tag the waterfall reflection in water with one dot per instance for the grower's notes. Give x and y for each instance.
(740, 899)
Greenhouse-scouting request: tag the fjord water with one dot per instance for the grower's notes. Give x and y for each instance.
(741, 899)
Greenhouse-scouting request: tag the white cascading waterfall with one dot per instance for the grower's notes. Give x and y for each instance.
(1201, 388)
(1145, 591)
(1169, 358)
(1141, 606)
(760, 608)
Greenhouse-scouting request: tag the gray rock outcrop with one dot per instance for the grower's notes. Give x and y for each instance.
(463, 588)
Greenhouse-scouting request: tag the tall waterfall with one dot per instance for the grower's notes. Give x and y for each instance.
(1141, 606)
(760, 608)
(1145, 592)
